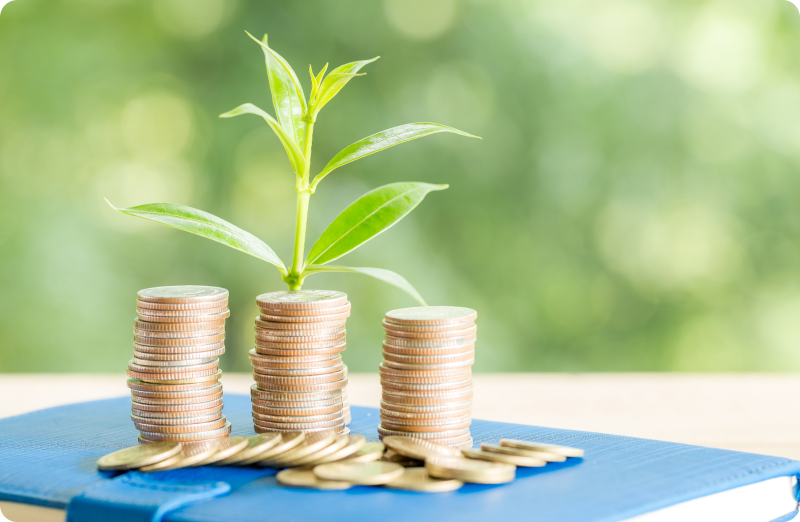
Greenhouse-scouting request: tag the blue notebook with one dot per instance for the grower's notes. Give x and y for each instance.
(47, 458)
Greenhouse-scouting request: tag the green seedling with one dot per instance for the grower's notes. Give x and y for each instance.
(293, 123)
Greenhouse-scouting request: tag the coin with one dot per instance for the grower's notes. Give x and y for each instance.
(417, 479)
(186, 351)
(427, 315)
(202, 387)
(182, 306)
(430, 408)
(151, 427)
(171, 364)
(282, 396)
(182, 294)
(179, 327)
(541, 446)
(256, 445)
(323, 417)
(188, 394)
(416, 427)
(403, 386)
(305, 478)
(338, 444)
(425, 418)
(392, 456)
(363, 473)
(301, 370)
(193, 453)
(188, 371)
(391, 327)
(299, 426)
(384, 432)
(418, 449)
(368, 452)
(138, 456)
(188, 437)
(305, 319)
(163, 465)
(289, 441)
(184, 380)
(300, 329)
(301, 299)
(427, 352)
(386, 371)
(189, 334)
(315, 410)
(297, 312)
(444, 366)
(228, 446)
(300, 336)
(177, 419)
(147, 313)
(354, 444)
(464, 332)
(164, 413)
(312, 443)
(205, 318)
(187, 404)
(442, 342)
(198, 356)
(429, 360)
(469, 470)
(183, 341)
(516, 460)
(508, 450)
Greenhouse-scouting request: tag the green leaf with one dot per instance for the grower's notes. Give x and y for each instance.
(367, 217)
(337, 79)
(384, 140)
(288, 107)
(297, 87)
(204, 224)
(295, 155)
(387, 276)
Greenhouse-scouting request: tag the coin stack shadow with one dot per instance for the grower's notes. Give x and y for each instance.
(297, 364)
(426, 375)
(179, 335)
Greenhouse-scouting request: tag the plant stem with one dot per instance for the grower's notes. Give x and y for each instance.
(303, 196)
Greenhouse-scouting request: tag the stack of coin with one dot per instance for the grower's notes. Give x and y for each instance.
(426, 374)
(297, 363)
(178, 337)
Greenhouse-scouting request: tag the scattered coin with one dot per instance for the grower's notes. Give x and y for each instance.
(516, 460)
(338, 444)
(369, 452)
(469, 470)
(256, 445)
(418, 448)
(138, 456)
(305, 478)
(289, 440)
(163, 465)
(361, 473)
(228, 446)
(509, 450)
(313, 442)
(417, 479)
(354, 444)
(392, 456)
(541, 446)
(187, 437)
(193, 453)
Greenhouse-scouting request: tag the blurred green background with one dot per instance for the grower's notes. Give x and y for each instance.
(633, 204)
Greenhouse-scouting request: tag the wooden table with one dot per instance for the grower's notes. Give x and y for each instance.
(746, 412)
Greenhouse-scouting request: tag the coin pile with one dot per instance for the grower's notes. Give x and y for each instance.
(178, 337)
(426, 374)
(297, 364)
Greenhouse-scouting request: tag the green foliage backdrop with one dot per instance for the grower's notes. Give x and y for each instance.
(634, 204)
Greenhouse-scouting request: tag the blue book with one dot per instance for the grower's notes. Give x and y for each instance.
(47, 458)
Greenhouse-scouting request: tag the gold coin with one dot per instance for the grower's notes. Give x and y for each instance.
(185, 341)
(302, 313)
(182, 294)
(175, 414)
(541, 446)
(193, 453)
(429, 360)
(385, 432)
(312, 443)
(354, 444)
(163, 465)
(138, 456)
(418, 449)
(508, 450)
(338, 444)
(196, 357)
(151, 427)
(429, 315)
(182, 306)
(392, 456)
(189, 334)
(369, 452)
(186, 380)
(288, 396)
(305, 478)
(300, 370)
(426, 352)
(289, 441)
(256, 445)
(516, 460)
(205, 318)
(301, 299)
(417, 479)
(200, 388)
(228, 446)
(387, 372)
(391, 327)
(439, 386)
(178, 327)
(469, 470)
(373, 473)
(430, 344)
